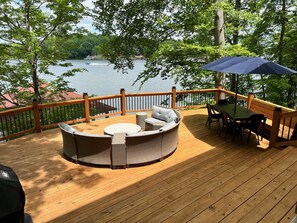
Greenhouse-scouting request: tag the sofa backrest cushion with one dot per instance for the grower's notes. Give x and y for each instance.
(164, 114)
(92, 135)
(171, 116)
(67, 128)
(144, 133)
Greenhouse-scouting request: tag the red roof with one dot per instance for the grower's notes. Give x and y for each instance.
(63, 96)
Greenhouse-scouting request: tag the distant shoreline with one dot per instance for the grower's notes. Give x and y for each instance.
(138, 57)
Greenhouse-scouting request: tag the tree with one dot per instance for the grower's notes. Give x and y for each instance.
(178, 37)
(81, 46)
(219, 37)
(26, 29)
(273, 37)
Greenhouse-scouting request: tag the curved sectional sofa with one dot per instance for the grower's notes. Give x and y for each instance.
(120, 150)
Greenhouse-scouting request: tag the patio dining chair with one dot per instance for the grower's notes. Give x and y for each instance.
(256, 124)
(212, 115)
(228, 124)
(223, 101)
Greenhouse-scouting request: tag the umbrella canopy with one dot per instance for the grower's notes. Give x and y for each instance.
(246, 65)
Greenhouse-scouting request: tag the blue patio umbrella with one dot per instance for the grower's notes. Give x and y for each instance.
(246, 65)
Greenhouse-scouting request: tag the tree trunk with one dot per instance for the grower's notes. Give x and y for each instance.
(219, 37)
(219, 28)
(33, 61)
(36, 83)
(283, 16)
(282, 32)
(263, 87)
(234, 42)
(237, 7)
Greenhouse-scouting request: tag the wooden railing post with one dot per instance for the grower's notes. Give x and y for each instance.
(251, 96)
(87, 107)
(36, 113)
(123, 101)
(218, 93)
(173, 99)
(275, 126)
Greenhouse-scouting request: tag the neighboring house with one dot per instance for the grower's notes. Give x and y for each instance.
(6, 104)
(65, 96)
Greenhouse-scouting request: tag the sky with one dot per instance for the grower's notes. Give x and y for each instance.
(87, 22)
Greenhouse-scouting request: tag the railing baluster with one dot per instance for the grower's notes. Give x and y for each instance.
(11, 124)
(2, 128)
(23, 121)
(283, 129)
(289, 130)
(7, 126)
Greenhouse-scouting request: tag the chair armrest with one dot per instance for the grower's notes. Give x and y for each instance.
(118, 150)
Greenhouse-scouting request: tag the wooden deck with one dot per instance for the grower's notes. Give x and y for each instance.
(207, 179)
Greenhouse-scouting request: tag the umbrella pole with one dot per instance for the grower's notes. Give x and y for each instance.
(236, 91)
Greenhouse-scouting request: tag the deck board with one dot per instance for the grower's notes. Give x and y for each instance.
(207, 179)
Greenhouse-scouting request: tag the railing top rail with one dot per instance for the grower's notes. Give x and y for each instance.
(233, 94)
(55, 104)
(148, 94)
(286, 109)
(197, 91)
(104, 97)
(16, 110)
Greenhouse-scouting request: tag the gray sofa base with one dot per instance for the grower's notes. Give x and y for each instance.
(87, 163)
(149, 162)
(118, 166)
(120, 150)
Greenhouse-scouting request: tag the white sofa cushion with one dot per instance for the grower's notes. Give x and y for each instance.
(164, 114)
(154, 121)
(160, 113)
(171, 116)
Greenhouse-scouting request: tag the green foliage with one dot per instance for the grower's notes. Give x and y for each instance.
(179, 36)
(176, 37)
(81, 46)
(61, 114)
(274, 37)
(182, 62)
(31, 35)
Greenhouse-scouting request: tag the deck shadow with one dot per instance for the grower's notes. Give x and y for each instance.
(203, 133)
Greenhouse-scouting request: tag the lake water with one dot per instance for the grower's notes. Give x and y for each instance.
(101, 79)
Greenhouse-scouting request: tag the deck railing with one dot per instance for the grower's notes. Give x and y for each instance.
(38, 117)
(281, 123)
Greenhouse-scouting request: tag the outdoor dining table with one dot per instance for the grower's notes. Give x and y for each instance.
(239, 115)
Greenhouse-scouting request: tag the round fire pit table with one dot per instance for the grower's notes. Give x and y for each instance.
(121, 128)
